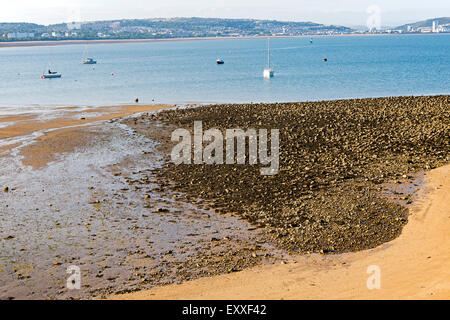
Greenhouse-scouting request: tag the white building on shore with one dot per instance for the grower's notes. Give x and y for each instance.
(20, 35)
(435, 27)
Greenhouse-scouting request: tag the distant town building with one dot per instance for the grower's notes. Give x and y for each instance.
(70, 34)
(435, 27)
(444, 27)
(20, 35)
(425, 29)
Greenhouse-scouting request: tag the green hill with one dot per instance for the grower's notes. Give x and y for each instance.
(171, 28)
(424, 24)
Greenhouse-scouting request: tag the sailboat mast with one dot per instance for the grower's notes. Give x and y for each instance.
(48, 64)
(268, 72)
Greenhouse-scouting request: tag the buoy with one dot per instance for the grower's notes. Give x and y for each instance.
(112, 73)
(42, 77)
(136, 100)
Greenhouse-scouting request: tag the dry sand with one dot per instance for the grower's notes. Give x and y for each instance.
(414, 266)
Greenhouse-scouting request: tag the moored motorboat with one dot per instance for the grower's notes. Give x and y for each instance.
(89, 61)
(220, 61)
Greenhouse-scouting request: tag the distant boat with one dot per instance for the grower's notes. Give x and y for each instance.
(220, 61)
(87, 60)
(310, 41)
(51, 75)
(268, 72)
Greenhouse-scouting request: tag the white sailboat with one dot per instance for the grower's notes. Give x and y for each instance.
(86, 59)
(49, 74)
(268, 72)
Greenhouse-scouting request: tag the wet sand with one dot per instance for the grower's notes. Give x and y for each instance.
(414, 266)
(82, 192)
(60, 133)
(27, 124)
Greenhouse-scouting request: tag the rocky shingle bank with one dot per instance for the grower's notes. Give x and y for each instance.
(335, 157)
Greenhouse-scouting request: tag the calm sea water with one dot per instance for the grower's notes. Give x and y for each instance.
(186, 71)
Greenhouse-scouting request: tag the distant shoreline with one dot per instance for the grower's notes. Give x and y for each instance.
(112, 41)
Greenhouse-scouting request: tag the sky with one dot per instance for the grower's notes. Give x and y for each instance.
(340, 12)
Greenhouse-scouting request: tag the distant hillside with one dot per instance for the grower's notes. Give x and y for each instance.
(425, 24)
(21, 27)
(169, 28)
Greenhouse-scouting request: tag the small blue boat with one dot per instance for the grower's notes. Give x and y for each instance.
(89, 61)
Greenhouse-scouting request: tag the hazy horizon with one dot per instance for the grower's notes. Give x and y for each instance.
(348, 12)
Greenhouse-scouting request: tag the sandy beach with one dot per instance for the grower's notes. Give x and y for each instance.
(414, 266)
(93, 187)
